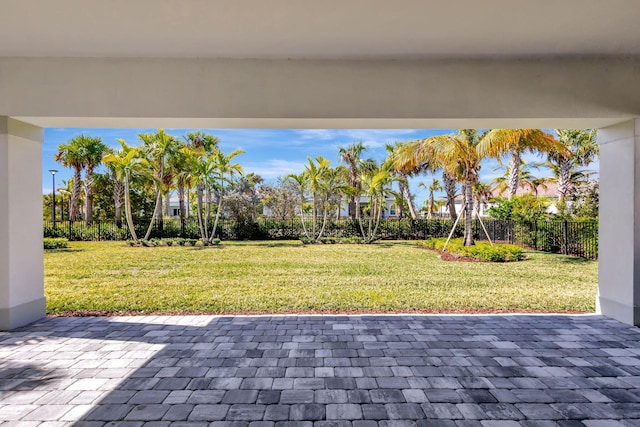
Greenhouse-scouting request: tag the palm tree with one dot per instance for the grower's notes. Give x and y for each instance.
(199, 144)
(525, 178)
(433, 187)
(376, 185)
(457, 155)
(158, 148)
(315, 175)
(582, 147)
(71, 155)
(182, 173)
(226, 169)
(414, 157)
(118, 189)
(351, 156)
(403, 178)
(324, 185)
(301, 183)
(499, 142)
(482, 193)
(125, 164)
(92, 151)
(205, 174)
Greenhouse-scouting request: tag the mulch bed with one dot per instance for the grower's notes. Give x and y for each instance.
(448, 256)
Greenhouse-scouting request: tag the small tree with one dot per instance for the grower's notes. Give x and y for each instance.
(318, 186)
(376, 186)
(127, 163)
(280, 198)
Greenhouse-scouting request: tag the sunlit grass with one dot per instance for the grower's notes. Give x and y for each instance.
(285, 277)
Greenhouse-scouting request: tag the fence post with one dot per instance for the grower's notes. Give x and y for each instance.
(565, 238)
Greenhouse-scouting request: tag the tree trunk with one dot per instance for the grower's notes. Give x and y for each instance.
(450, 190)
(127, 210)
(314, 213)
(403, 190)
(200, 197)
(304, 226)
(75, 194)
(117, 199)
(188, 207)
(215, 223)
(432, 204)
(514, 172)
(167, 204)
(200, 215)
(181, 202)
(407, 197)
(208, 201)
(155, 213)
(352, 207)
(564, 179)
(219, 210)
(325, 216)
(88, 196)
(468, 220)
(375, 229)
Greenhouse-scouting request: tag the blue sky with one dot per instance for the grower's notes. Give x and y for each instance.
(269, 152)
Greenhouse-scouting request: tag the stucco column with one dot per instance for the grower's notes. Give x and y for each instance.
(21, 254)
(619, 244)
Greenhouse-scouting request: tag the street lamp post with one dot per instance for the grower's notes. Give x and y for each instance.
(53, 192)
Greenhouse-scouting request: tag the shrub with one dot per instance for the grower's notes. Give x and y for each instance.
(337, 240)
(481, 250)
(55, 243)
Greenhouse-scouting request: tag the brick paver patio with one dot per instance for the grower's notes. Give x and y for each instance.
(352, 371)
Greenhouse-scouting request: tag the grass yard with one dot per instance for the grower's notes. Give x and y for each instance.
(286, 277)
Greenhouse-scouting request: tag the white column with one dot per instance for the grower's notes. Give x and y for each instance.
(21, 254)
(619, 247)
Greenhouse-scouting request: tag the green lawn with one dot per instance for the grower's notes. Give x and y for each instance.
(285, 277)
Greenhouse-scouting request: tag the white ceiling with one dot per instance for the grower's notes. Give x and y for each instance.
(318, 28)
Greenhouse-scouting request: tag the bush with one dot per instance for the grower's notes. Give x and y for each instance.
(329, 240)
(481, 250)
(55, 243)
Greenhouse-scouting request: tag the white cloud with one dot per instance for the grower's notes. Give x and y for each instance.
(271, 169)
(372, 138)
(323, 134)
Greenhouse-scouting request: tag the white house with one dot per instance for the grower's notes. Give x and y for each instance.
(389, 211)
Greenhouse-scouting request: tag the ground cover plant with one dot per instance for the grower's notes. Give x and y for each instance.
(55, 242)
(287, 276)
(482, 251)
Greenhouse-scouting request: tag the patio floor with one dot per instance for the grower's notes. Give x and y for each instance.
(358, 371)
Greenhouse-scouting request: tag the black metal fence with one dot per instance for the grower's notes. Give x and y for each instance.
(578, 238)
